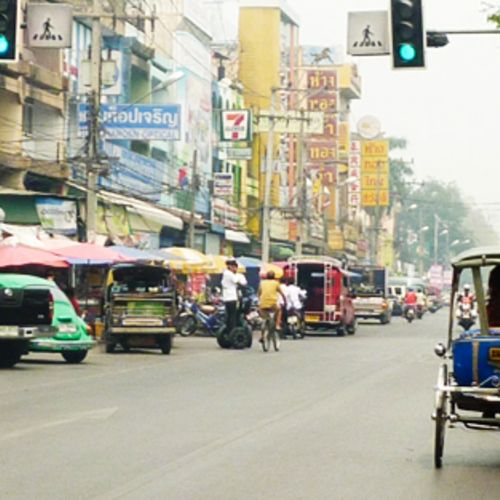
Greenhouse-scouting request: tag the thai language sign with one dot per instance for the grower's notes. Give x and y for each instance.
(135, 121)
(375, 183)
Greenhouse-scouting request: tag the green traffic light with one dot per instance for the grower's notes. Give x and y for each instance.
(407, 52)
(4, 44)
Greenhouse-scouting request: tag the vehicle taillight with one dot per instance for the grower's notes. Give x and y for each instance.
(51, 307)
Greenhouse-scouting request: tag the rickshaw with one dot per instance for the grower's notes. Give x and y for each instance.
(468, 385)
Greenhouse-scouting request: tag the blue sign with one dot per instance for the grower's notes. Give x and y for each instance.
(135, 121)
(134, 173)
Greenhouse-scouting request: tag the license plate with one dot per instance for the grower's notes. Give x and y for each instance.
(495, 354)
(313, 318)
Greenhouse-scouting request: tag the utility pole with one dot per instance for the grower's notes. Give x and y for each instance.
(95, 104)
(268, 177)
(420, 244)
(301, 189)
(194, 189)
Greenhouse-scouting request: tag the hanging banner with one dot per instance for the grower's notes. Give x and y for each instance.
(56, 215)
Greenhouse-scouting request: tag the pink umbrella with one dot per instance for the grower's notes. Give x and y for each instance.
(19, 255)
(89, 254)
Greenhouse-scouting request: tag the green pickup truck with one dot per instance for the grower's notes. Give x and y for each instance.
(36, 316)
(26, 314)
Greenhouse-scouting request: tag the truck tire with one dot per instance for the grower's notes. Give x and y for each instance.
(74, 357)
(165, 344)
(9, 358)
(110, 347)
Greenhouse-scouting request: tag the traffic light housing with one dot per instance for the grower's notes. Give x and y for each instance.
(408, 36)
(9, 20)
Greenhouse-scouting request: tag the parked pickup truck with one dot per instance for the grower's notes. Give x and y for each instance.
(26, 312)
(369, 284)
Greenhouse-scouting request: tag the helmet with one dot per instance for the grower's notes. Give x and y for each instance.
(466, 287)
(410, 289)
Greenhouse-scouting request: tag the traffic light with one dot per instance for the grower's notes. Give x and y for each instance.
(9, 18)
(408, 37)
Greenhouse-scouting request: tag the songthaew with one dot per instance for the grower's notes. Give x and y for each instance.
(139, 307)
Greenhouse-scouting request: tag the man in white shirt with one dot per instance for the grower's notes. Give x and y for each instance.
(294, 296)
(231, 279)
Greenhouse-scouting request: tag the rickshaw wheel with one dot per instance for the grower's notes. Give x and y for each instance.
(439, 438)
(440, 422)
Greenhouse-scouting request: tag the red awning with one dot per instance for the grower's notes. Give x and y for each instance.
(19, 255)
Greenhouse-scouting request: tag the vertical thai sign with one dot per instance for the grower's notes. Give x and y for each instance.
(375, 173)
(322, 153)
(354, 193)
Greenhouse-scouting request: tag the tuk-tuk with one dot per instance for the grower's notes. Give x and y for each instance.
(468, 385)
(329, 304)
(139, 307)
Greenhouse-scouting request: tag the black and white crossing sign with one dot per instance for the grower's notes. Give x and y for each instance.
(368, 33)
(49, 25)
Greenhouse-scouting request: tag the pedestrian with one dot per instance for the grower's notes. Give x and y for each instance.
(70, 293)
(231, 280)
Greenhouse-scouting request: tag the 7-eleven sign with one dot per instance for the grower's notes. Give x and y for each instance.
(236, 125)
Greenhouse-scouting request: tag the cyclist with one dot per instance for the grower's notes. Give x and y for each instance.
(269, 294)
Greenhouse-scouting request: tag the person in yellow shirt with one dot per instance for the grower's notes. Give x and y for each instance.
(269, 292)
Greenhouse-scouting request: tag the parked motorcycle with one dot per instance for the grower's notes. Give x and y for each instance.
(205, 318)
(466, 316)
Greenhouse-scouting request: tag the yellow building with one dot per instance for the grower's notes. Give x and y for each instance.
(268, 31)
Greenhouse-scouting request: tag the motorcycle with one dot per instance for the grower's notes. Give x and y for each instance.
(293, 326)
(410, 313)
(419, 312)
(466, 316)
(206, 318)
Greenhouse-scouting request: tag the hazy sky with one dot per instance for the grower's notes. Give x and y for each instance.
(449, 112)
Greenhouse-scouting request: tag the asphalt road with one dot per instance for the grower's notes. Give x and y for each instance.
(325, 418)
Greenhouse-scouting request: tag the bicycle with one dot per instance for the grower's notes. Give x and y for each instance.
(269, 333)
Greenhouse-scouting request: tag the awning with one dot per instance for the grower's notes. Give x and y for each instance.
(146, 210)
(237, 237)
(156, 216)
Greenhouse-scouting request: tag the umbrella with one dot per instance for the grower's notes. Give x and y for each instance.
(218, 264)
(186, 260)
(89, 254)
(250, 262)
(19, 255)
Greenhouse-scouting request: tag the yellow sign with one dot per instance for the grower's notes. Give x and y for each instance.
(343, 140)
(373, 165)
(335, 239)
(375, 148)
(374, 198)
(374, 182)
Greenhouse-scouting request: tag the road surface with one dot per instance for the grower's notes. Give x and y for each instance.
(325, 418)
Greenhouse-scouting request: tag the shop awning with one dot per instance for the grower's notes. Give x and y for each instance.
(237, 237)
(157, 216)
